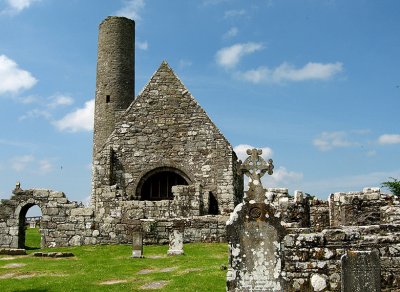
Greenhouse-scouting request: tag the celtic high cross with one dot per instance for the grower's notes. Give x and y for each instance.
(255, 167)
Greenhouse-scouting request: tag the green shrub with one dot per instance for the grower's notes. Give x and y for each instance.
(393, 186)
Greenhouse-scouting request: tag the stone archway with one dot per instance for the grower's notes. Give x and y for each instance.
(156, 184)
(23, 210)
(55, 209)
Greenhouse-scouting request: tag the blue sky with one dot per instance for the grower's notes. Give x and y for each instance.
(315, 83)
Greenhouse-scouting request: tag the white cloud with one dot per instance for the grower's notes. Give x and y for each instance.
(142, 45)
(261, 74)
(12, 78)
(19, 144)
(389, 139)
(185, 63)
(234, 13)
(60, 100)
(229, 57)
(287, 72)
(132, 9)
(45, 166)
(46, 106)
(232, 32)
(16, 6)
(25, 162)
(309, 71)
(36, 113)
(20, 163)
(79, 120)
(28, 99)
(329, 140)
(241, 149)
(283, 177)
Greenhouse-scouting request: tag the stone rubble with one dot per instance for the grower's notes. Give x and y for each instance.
(316, 235)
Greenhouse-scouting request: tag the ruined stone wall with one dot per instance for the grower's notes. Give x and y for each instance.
(356, 208)
(209, 228)
(238, 180)
(318, 235)
(165, 127)
(294, 211)
(115, 214)
(391, 213)
(319, 214)
(313, 260)
(59, 225)
(367, 207)
(67, 223)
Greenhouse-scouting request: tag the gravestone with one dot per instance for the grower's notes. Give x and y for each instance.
(176, 238)
(254, 235)
(32, 223)
(137, 240)
(361, 271)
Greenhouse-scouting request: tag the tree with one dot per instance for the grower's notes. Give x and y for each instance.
(393, 186)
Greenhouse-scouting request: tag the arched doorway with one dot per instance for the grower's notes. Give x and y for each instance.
(157, 184)
(29, 236)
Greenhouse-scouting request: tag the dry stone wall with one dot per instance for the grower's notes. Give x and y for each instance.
(115, 218)
(357, 208)
(210, 228)
(279, 242)
(317, 255)
(58, 226)
(66, 223)
(311, 254)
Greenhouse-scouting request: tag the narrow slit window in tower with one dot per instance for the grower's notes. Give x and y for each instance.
(108, 98)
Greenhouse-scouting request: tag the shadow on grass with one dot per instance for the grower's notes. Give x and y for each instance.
(31, 248)
(33, 290)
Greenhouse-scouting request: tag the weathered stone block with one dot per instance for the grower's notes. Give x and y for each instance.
(361, 271)
(82, 212)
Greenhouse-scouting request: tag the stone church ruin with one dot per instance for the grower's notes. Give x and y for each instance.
(162, 169)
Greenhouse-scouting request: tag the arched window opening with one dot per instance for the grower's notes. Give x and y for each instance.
(157, 185)
(212, 204)
(29, 236)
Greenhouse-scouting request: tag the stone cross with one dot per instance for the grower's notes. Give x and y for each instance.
(255, 234)
(255, 167)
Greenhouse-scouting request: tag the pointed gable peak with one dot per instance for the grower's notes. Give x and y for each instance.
(165, 68)
(165, 77)
(165, 94)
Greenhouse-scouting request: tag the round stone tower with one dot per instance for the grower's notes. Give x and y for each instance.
(115, 76)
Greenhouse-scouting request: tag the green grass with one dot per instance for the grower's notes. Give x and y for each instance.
(32, 239)
(197, 270)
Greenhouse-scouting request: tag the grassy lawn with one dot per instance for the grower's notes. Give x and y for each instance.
(110, 268)
(32, 239)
